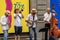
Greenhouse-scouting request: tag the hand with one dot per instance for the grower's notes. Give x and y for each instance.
(51, 28)
(22, 16)
(49, 22)
(30, 22)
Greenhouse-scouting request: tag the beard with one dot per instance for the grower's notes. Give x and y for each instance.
(6, 15)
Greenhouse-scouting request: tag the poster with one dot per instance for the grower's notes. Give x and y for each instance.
(57, 9)
(11, 5)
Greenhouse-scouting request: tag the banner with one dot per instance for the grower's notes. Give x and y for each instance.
(11, 5)
(56, 8)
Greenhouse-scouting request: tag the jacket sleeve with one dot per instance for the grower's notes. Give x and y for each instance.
(28, 17)
(3, 21)
(45, 17)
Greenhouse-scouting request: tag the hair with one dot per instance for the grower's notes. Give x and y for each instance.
(16, 9)
(20, 11)
(53, 6)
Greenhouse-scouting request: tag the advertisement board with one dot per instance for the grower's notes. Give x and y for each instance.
(11, 5)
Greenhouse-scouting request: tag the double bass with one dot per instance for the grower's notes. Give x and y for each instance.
(54, 30)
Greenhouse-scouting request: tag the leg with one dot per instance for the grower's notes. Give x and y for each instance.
(15, 37)
(16, 29)
(35, 34)
(30, 32)
(5, 35)
(19, 32)
(18, 37)
(46, 33)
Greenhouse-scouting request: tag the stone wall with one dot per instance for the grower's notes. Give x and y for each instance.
(41, 6)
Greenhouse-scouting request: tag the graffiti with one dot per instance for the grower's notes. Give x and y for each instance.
(8, 5)
(18, 5)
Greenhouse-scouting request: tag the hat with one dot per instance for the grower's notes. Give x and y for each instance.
(34, 10)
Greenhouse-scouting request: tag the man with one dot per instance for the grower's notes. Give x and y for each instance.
(47, 18)
(31, 21)
(5, 24)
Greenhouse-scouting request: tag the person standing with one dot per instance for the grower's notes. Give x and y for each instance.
(18, 24)
(31, 21)
(47, 19)
(5, 24)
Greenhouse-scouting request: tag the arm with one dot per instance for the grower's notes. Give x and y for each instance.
(30, 22)
(15, 15)
(27, 20)
(45, 18)
(20, 16)
(2, 21)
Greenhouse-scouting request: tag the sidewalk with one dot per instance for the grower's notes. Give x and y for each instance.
(11, 37)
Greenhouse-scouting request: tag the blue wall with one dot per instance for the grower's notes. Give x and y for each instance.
(57, 9)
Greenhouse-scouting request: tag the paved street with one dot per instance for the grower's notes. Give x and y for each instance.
(23, 37)
(11, 37)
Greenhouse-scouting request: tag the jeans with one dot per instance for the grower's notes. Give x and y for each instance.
(5, 34)
(52, 38)
(30, 32)
(18, 30)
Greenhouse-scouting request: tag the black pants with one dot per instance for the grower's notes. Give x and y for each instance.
(46, 33)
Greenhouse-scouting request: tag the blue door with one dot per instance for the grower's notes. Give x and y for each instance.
(56, 8)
